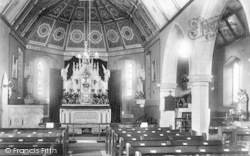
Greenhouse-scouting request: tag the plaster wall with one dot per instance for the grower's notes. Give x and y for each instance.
(4, 51)
(239, 49)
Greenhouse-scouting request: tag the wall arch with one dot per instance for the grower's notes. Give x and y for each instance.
(170, 55)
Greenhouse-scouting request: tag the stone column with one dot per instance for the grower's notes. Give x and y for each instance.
(167, 118)
(200, 103)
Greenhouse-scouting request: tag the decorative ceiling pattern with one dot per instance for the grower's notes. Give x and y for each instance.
(64, 24)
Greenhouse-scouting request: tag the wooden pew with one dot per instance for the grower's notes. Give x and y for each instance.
(151, 137)
(111, 131)
(159, 143)
(187, 150)
(153, 134)
(35, 138)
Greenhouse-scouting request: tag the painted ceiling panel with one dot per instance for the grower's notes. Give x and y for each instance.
(43, 31)
(27, 20)
(105, 15)
(29, 32)
(67, 13)
(16, 5)
(96, 38)
(76, 36)
(62, 24)
(116, 14)
(142, 24)
(168, 7)
(128, 35)
(58, 10)
(79, 14)
(126, 5)
(138, 31)
(94, 15)
(113, 38)
(57, 37)
(106, 2)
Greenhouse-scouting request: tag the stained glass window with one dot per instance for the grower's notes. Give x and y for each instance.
(231, 81)
(129, 78)
(40, 79)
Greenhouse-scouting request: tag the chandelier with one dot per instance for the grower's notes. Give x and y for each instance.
(87, 54)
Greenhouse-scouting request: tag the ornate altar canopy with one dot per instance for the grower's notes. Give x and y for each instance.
(85, 92)
(83, 83)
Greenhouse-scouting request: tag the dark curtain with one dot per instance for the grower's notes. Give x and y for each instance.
(56, 93)
(76, 60)
(115, 95)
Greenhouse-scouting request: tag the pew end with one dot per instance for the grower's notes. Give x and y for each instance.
(137, 153)
(193, 132)
(128, 146)
(204, 136)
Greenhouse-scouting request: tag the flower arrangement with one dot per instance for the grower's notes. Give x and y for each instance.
(100, 98)
(71, 97)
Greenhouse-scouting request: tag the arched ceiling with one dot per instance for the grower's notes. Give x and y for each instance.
(115, 24)
(233, 24)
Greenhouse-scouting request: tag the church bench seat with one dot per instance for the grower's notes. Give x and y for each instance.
(35, 138)
(25, 145)
(110, 131)
(186, 150)
(30, 139)
(176, 143)
(160, 143)
(162, 140)
(123, 138)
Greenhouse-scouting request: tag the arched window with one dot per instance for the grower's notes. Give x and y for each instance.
(129, 70)
(231, 81)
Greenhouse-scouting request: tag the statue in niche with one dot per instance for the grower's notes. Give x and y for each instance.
(64, 73)
(140, 78)
(104, 84)
(242, 102)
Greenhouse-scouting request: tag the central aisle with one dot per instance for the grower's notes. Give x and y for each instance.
(88, 146)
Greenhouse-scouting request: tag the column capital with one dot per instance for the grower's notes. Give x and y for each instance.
(200, 78)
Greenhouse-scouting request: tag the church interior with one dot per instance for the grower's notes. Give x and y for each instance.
(124, 77)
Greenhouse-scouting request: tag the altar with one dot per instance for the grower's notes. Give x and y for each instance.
(85, 113)
(85, 102)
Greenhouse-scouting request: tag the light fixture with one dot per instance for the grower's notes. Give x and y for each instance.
(87, 54)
